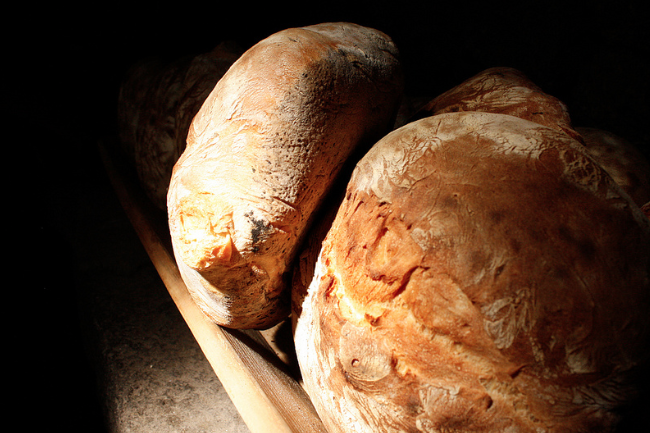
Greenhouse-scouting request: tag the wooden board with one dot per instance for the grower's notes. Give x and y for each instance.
(255, 372)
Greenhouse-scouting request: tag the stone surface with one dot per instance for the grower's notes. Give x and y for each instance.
(129, 360)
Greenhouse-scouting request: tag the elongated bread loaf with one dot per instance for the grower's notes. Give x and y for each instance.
(482, 274)
(157, 101)
(261, 154)
(504, 90)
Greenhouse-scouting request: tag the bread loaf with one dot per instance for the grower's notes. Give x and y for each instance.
(625, 163)
(482, 274)
(263, 151)
(157, 101)
(509, 91)
(506, 91)
(501, 90)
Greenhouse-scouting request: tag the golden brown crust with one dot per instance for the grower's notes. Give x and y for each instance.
(261, 154)
(482, 274)
(505, 91)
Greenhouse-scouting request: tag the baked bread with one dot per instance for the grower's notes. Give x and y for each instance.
(157, 100)
(509, 91)
(261, 154)
(482, 274)
(503, 90)
(624, 162)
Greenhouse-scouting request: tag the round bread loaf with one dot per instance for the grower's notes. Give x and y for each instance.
(506, 91)
(482, 274)
(625, 163)
(263, 151)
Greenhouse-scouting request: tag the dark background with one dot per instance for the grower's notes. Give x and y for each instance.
(63, 65)
(592, 55)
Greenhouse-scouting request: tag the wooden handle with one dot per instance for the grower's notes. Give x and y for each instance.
(268, 398)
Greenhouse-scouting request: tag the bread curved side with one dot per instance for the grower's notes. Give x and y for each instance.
(482, 274)
(262, 153)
